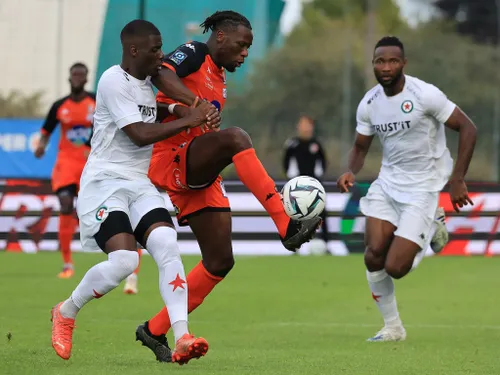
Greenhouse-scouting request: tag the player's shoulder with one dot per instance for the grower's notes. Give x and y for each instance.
(114, 78)
(421, 89)
(59, 102)
(193, 54)
(372, 95)
(291, 142)
(91, 95)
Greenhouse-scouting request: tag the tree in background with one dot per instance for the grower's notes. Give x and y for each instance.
(18, 105)
(475, 18)
(308, 74)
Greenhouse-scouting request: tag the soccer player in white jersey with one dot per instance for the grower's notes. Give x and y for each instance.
(118, 206)
(408, 115)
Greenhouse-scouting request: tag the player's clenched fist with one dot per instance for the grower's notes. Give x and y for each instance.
(345, 182)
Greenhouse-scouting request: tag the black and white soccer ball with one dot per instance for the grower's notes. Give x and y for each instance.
(303, 198)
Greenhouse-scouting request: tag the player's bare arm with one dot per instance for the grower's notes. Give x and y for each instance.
(356, 161)
(461, 123)
(144, 134)
(171, 85)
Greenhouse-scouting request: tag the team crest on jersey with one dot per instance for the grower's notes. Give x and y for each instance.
(178, 57)
(102, 213)
(407, 106)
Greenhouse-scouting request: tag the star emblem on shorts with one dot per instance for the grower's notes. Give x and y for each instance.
(177, 159)
(177, 283)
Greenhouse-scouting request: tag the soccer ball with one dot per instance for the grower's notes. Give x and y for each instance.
(303, 198)
(317, 247)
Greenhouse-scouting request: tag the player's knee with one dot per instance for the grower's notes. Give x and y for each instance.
(219, 266)
(397, 270)
(374, 258)
(236, 139)
(128, 261)
(162, 245)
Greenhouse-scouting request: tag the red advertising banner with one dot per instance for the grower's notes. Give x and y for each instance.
(29, 221)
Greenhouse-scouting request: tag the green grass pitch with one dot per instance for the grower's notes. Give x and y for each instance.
(272, 315)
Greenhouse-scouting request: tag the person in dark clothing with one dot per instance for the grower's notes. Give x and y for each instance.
(304, 156)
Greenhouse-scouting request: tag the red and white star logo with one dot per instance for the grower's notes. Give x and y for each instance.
(407, 106)
(177, 283)
(375, 297)
(100, 215)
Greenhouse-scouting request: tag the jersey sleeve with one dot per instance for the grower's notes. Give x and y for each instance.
(363, 126)
(51, 120)
(436, 104)
(186, 59)
(118, 97)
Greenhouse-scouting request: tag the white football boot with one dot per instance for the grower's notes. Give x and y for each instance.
(389, 333)
(131, 284)
(440, 238)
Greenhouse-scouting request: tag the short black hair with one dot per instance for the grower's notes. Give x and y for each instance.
(225, 19)
(390, 41)
(79, 65)
(138, 28)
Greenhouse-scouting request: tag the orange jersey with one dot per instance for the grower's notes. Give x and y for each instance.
(196, 69)
(75, 119)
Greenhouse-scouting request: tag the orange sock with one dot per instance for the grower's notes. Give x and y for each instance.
(200, 283)
(67, 226)
(139, 251)
(252, 173)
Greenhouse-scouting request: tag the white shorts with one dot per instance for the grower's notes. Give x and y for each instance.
(100, 197)
(412, 213)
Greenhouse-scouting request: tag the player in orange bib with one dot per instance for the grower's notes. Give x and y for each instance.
(188, 165)
(74, 113)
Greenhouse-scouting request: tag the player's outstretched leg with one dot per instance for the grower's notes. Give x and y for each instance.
(378, 239)
(98, 281)
(132, 280)
(218, 260)
(210, 153)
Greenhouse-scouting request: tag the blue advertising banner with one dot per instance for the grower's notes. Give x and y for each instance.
(18, 140)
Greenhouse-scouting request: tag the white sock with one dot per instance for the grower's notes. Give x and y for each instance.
(163, 247)
(132, 277)
(382, 287)
(100, 279)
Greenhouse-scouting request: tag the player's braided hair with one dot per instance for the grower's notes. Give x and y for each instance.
(223, 19)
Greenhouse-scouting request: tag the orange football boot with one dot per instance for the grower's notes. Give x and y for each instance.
(189, 347)
(62, 332)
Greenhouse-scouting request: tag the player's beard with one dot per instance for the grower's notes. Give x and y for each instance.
(393, 82)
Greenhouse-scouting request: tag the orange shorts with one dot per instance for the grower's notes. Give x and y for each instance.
(66, 172)
(168, 171)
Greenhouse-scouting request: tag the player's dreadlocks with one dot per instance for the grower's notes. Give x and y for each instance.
(390, 41)
(225, 19)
